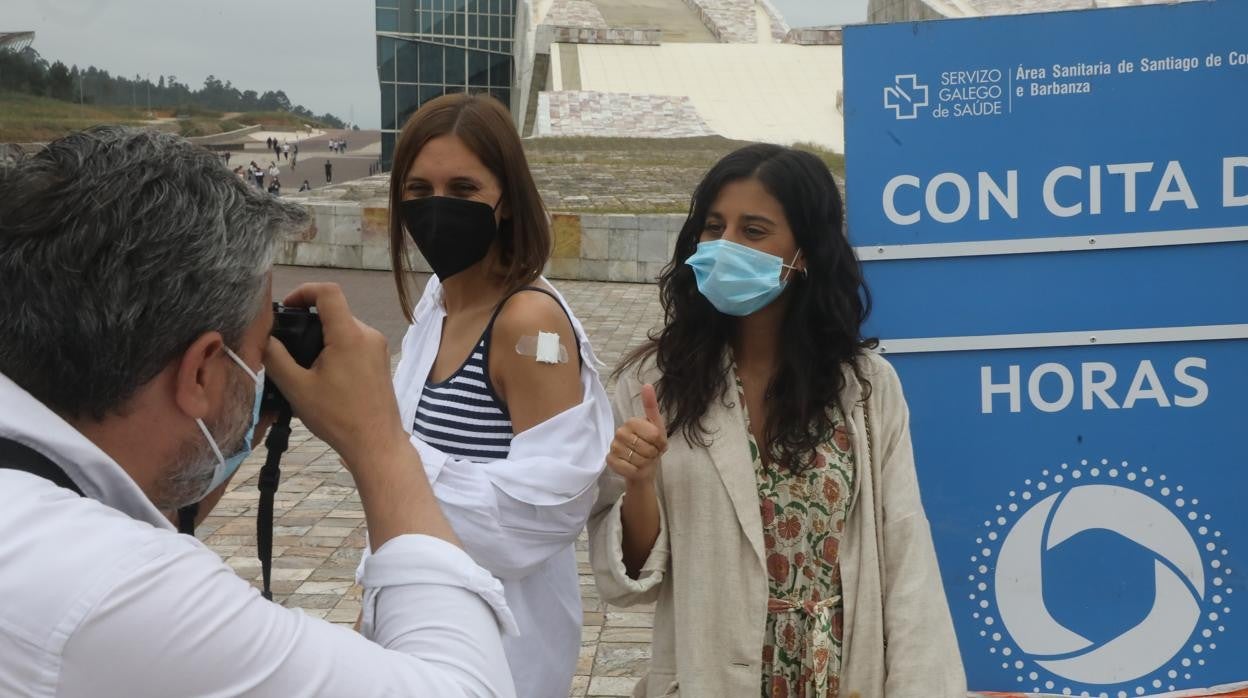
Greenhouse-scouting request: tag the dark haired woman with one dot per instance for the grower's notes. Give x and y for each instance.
(782, 534)
(497, 382)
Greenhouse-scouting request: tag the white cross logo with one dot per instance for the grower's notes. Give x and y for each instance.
(905, 100)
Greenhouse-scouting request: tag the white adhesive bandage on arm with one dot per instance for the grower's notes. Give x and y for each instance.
(545, 347)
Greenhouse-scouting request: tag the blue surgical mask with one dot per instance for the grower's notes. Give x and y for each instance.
(227, 466)
(736, 279)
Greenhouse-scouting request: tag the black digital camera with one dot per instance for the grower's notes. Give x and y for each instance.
(299, 330)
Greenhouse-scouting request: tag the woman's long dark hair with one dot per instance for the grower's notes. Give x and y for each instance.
(821, 329)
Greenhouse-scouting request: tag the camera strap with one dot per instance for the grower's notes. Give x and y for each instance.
(186, 518)
(270, 476)
(17, 456)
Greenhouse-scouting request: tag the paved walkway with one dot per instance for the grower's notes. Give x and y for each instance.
(319, 521)
(363, 150)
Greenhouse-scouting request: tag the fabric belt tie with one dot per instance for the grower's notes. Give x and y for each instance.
(816, 613)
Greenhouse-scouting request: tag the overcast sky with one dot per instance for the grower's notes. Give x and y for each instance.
(321, 52)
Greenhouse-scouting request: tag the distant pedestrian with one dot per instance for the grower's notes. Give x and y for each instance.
(268, 142)
(274, 172)
(286, 150)
(275, 187)
(305, 186)
(329, 172)
(257, 174)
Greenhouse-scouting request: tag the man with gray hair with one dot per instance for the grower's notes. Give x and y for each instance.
(134, 338)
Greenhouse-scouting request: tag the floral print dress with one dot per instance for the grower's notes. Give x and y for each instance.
(803, 520)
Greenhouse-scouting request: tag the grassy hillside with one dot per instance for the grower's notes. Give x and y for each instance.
(26, 119)
(278, 120)
(659, 151)
(29, 119)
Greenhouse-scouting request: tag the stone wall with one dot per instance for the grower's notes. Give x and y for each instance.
(734, 21)
(587, 247)
(730, 21)
(617, 115)
(779, 26)
(815, 36)
(603, 35)
(343, 236)
(574, 13)
(613, 247)
(880, 11)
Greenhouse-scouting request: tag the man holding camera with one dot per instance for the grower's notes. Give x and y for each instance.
(134, 337)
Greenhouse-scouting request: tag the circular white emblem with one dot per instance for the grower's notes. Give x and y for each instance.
(1146, 512)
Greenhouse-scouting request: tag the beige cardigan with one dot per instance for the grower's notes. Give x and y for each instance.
(708, 575)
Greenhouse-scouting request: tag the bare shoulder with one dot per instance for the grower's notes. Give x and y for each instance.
(529, 312)
(534, 390)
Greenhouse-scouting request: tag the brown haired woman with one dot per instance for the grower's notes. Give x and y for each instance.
(497, 382)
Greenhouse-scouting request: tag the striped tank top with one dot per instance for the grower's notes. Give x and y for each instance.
(462, 416)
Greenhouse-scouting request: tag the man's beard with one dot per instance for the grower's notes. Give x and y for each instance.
(188, 476)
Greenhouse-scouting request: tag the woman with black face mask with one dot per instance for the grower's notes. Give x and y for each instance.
(497, 382)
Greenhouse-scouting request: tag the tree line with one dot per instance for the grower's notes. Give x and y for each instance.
(29, 73)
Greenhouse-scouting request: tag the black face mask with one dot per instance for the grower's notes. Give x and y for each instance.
(452, 234)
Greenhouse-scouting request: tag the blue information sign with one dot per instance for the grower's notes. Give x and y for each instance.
(1052, 210)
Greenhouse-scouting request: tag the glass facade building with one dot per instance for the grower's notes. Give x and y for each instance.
(428, 48)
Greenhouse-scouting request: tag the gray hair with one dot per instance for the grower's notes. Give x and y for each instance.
(119, 247)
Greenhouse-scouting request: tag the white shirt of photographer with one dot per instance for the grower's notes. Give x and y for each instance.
(519, 517)
(99, 596)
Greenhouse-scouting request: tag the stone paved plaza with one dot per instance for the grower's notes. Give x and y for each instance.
(319, 521)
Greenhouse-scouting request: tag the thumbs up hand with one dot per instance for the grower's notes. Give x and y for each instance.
(639, 444)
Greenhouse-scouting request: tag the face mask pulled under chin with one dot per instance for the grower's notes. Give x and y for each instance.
(452, 234)
(228, 465)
